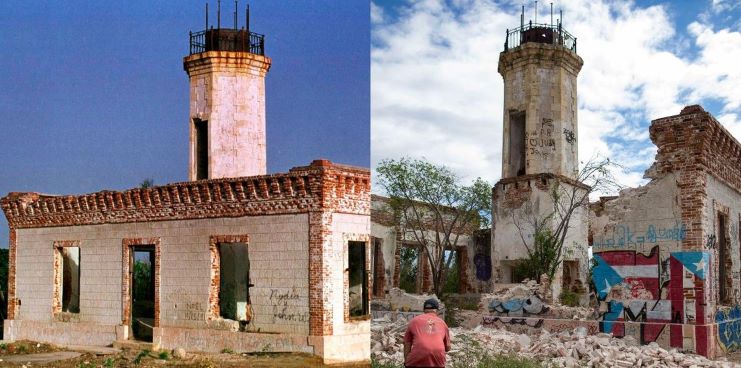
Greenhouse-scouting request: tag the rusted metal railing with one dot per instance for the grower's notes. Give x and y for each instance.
(227, 40)
(539, 33)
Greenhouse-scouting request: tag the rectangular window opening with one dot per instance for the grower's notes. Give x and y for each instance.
(201, 132)
(724, 261)
(517, 144)
(234, 277)
(358, 279)
(409, 268)
(378, 268)
(70, 279)
(452, 276)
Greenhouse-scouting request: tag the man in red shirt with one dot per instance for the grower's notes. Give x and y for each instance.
(427, 339)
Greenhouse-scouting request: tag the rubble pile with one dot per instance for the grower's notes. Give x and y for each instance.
(565, 349)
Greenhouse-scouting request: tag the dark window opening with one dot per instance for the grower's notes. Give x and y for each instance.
(358, 279)
(517, 146)
(409, 270)
(142, 292)
(201, 131)
(724, 261)
(70, 279)
(234, 282)
(378, 268)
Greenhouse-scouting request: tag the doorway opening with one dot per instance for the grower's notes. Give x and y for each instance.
(142, 261)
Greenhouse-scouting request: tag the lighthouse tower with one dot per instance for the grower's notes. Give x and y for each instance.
(227, 68)
(539, 66)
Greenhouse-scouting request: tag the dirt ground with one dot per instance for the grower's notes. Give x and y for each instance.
(146, 359)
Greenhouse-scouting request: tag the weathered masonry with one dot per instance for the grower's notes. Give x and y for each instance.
(234, 259)
(540, 67)
(667, 254)
(398, 260)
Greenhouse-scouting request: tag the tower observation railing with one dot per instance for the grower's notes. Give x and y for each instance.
(539, 33)
(227, 40)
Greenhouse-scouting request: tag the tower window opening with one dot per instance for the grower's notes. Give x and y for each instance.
(201, 132)
(517, 143)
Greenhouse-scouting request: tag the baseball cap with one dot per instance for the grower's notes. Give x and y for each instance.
(431, 304)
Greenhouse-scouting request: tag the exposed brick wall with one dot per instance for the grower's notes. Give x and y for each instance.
(464, 283)
(127, 245)
(517, 190)
(694, 143)
(57, 294)
(214, 310)
(12, 302)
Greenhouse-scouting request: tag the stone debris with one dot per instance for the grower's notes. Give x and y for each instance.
(398, 299)
(564, 349)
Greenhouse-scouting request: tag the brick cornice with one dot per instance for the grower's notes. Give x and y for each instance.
(321, 186)
(694, 141)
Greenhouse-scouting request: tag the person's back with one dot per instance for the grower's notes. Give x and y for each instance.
(426, 341)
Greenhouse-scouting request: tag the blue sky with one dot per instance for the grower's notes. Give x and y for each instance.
(95, 97)
(433, 74)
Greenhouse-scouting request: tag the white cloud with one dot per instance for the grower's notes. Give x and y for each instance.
(436, 93)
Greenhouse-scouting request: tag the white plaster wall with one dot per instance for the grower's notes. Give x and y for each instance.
(350, 340)
(721, 195)
(387, 234)
(278, 250)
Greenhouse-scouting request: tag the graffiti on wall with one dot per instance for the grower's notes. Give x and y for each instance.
(646, 292)
(483, 266)
(623, 236)
(729, 327)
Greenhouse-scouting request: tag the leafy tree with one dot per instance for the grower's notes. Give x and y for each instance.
(434, 209)
(546, 250)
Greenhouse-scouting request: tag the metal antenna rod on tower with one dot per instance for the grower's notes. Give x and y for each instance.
(236, 9)
(206, 15)
(522, 18)
(551, 14)
(247, 18)
(560, 11)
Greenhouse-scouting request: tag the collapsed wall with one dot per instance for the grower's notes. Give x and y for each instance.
(666, 260)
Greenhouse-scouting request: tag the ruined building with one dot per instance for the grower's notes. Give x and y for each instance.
(398, 260)
(233, 259)
(539, 65)
(667, 254)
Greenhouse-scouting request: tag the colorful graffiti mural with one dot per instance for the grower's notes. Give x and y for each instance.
(650, 293)
(729, 327)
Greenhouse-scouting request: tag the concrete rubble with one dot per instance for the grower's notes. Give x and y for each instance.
(565, 349)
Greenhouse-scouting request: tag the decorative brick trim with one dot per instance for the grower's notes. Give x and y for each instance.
(127, 244)
(56, 304)
(12, 302)
(346, 239)
(214, 310)
(322, 186)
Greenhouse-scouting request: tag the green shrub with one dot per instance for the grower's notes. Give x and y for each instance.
(227, 351)
(504, 361)
(569, 298)
(375, 364)
(140, 356)
(164, 355)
